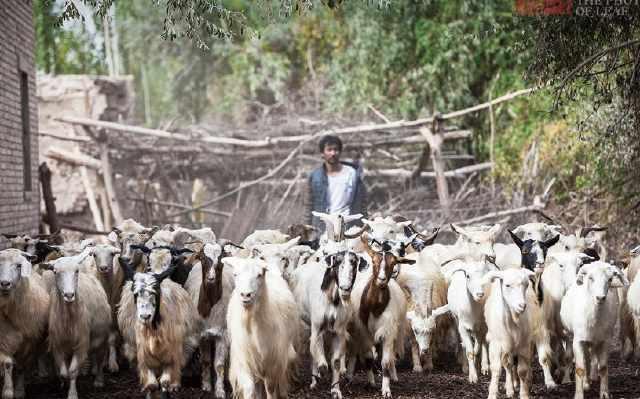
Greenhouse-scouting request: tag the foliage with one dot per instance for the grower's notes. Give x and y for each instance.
(63, 50)
(594, 60)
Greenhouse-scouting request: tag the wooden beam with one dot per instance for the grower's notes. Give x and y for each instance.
(77, 159)
(64, 138)
(435, 140)
(47, 195)
(107, 174)
(288, 139)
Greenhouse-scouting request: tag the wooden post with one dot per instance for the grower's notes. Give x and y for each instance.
(435, 139)
(47, 195)
(107, 174)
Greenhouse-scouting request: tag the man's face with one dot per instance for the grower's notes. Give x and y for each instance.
(331, 154)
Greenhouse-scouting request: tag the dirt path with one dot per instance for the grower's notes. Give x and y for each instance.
(446, 381)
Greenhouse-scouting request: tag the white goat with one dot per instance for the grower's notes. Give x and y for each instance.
(24, 306)
(466, 298)
(630, 309)
(324, 294)
(589, 311)
(427, 290)
(509, 330)
(260, 237)
(264, 327)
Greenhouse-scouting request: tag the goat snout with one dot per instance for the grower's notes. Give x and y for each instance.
(521, 307)
(5, 285)
(103, 269)
(247, 297)
(69, 296)
(600, 298)
(478, 295)
(125, 259)
(145, 317)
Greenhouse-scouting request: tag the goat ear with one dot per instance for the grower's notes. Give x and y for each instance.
(46, 266)
(326, 279)
(127, 269)
(516, 239)
(255, 253)
(552, 241)
(363, 264)
(493, 276)
(442, 310)
(495, 230)
(142, 248)
(28, 256)
(623, 281)
(411, 315)
(113, 237)
(166, 273)
(9, 236)
(580, 277)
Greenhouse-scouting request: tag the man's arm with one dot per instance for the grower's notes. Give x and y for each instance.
(307, 202)
(360, 198)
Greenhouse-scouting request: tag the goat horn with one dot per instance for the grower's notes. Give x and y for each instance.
(586, 230)
(358, 233)
(224, 242)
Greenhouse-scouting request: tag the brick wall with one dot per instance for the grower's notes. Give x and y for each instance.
(19, 205)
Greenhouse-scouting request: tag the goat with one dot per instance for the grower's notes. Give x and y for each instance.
(210, 285)
(264, 328)
(589, 311)
(24, 307)
(324, 294)
(260, 237)
(167, 329)
(111, 277)
(380, 308)
(466, 298)
(426, 290)
(630, 309)
(131, 233)
(79, 320)
(509, 330)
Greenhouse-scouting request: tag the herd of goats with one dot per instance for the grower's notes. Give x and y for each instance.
(358, 295)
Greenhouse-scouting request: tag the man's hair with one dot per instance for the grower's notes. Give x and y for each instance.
(330, 140)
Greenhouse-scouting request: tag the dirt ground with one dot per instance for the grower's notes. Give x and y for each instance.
(447, 381)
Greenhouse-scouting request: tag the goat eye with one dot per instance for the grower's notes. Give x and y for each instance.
(590, 278)
(507, 285)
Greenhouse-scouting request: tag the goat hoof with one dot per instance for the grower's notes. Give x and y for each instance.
(387, 395)
(220, 394)
(150, 387)
(336, 395)
(551, 385)
(418, 369)
(98, 383)
(113, 367)
(7, 395)
(323, 370)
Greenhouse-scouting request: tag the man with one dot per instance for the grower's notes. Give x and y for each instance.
(334, 187)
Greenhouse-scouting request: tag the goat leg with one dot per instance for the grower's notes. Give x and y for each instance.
(7, 368)
(113, 352)
(222, 352)
(205, 363)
